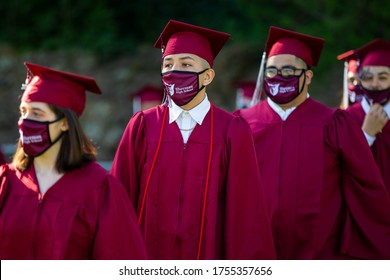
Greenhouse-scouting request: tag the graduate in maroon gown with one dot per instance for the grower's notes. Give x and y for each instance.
(244, 93)
(56, 202)
(351, 90)
(373, 112)
(325, 196)
(146, 97)
(189, 166)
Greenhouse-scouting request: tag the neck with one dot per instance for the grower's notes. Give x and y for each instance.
(47, 161)
(196, 101)
(296, 102)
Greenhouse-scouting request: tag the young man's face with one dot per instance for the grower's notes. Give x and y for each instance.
(289, 61)
(375, 77)
(191, 63)
(183, 62)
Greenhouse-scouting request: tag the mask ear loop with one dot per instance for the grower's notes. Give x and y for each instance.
(166, 101)
(207, 181)
(152, 167)
(304, 81)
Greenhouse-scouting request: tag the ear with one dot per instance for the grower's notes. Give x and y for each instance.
(64, 125)
(208, 77)
(309, 75)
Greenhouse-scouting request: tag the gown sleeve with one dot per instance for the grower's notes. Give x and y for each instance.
(366, 233)
(117, 234)
(3, 184)
(129, 153)
(247, 228)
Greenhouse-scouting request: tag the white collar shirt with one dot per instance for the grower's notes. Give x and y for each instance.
(284, 114)
(187, 120)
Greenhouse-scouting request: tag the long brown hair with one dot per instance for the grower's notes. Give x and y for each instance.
(76, 148)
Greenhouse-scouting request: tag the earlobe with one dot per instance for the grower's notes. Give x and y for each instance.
(209, 76)
(309, 75)
(64, 125)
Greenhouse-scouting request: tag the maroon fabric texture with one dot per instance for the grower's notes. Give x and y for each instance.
(324, 193)
(84, 215)
(380, 148)
(236, 222)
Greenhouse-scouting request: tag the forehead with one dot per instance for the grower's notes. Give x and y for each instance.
(183, 56)
(376, 69)
(282, 60)
(35, 106)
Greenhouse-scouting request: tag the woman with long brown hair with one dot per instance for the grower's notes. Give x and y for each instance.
(56, 202)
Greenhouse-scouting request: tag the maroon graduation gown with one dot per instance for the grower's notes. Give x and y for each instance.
(84, 215)
(381, 146)
(2, 158)
(236, 223)
(325, 197)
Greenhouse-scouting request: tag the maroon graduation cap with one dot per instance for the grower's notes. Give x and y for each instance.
(282, 41)
(62, 89)
(147, 94)
(375, 53)
(179, 37)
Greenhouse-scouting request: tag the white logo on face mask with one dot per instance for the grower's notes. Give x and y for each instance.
(32, 139)
(184, 90)
(286, 89)
(178, 90)
(274, 88)
(171, 88)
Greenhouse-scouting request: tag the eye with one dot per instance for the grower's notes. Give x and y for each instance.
(186, 64)
(167, 65)
(288, 71)
(366, 78)
(22, 112)
(271, 72)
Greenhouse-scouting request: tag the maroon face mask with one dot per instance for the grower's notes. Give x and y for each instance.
(282, 90)
(35, 136)
(181, 86)
(377, 96)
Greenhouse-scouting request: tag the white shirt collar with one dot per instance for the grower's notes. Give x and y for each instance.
(366, 106)
(198, 113)
(282, 113)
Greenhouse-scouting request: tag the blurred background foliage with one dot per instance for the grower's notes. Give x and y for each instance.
(112, 41)
(111, 27)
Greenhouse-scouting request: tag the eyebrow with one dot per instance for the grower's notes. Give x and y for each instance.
(186, 57)
(33, 109)
(180, 58)
(284, 66)
(370, 74)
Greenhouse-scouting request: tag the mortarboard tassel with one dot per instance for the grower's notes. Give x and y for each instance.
(259, 82)
(345, 86)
